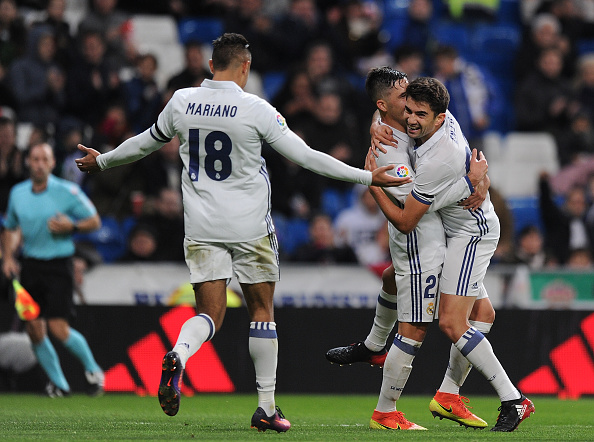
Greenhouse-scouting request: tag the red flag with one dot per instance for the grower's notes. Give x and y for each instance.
(26, 307)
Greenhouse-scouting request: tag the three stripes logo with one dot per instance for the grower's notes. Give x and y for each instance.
(204, 372)
(571, 373)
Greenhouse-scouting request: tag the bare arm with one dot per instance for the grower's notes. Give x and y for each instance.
(10, 242)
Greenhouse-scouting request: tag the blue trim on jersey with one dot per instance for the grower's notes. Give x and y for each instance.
(264, 172)
(163, 138)
(467, 264)
(473, 338)
(420, 198)
(262, 330)
(210, 323)
(406, 348)
(470, 186)
(416, 295)
(387, 304)
(481, 221)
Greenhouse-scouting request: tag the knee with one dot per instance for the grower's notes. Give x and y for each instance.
(388, 282)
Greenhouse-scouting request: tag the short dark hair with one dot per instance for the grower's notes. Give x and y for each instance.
(229, 48)
(380, 80)
(431, 91)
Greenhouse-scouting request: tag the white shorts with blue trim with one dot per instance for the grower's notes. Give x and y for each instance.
(465, 266)
(251, 262)
(417, 296)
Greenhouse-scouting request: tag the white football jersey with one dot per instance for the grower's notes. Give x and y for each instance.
(423, 249)
(225, 184)
(439, 163)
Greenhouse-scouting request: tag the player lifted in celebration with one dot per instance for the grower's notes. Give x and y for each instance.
(226, 194)
(441, 156)
(410, 284)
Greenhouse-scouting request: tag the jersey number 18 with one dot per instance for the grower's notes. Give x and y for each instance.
(217, 162)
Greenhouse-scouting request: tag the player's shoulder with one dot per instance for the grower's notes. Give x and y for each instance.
(22, 187)
(63, 185)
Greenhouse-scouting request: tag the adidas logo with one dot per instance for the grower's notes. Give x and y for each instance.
(204, 373)
(521, 409)
(571, 363)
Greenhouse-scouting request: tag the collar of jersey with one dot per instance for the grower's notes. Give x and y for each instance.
(217, 84)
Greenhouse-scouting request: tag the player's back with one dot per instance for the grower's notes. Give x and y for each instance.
(225, 184)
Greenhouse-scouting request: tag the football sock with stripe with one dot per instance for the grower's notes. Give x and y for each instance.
(477, 349)
(195, 332)
(386, 314)
(49, 361)
(396, 371)
(79, 347)
(263, 347)
(458, 366)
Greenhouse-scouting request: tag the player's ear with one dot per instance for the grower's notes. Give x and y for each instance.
(440, 119)
(381, 105)
(210, 66)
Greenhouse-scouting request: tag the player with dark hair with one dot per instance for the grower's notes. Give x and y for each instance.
(410, 284)
(226, 195)
(441, 156)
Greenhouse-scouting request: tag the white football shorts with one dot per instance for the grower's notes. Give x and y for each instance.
(251, 262)
(417, 296)
(465, 265)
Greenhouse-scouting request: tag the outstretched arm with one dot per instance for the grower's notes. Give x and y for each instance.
(296, 150)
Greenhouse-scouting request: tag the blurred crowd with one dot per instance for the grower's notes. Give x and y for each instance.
(68, 81)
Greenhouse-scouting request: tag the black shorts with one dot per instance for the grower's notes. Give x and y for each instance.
(51, 284)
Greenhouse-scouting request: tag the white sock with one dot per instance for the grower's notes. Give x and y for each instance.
(263, 345)
(386, 315)
(477, 349)
(458, 366)
(397, 368)
(195, 332)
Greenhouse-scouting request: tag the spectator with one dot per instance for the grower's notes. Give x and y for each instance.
(142, 244)
(162, 169)
(577, 145)
(69, 135)
(544, 101)
(13, 32)
(585, 84)
(417, 32)
(322, 247)
(167, 222)
(544, 33)
(12, 166)
(329, 130)
(92, 83)
(193, 72)
(38, 82)
(141, 94)
(472, 95)
(530, 248)
(296, 99)
(54, 19)
(358, 227)
(566, 228)
(111, 23)
(580, 260)
(410, 60)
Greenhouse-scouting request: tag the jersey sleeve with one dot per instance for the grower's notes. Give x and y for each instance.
(460, 190)
(295, 149)
(429, 182)
(11, 221)
(81, 206)
(272, 125)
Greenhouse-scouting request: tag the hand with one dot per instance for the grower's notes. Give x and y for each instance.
(60, 224)
(478, 167)
(381, 178)
(89, 162)
(381, 134)
(475, 200)
(10, 267)
(370, 163)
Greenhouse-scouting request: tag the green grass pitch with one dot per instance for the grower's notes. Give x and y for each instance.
(313, 417)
